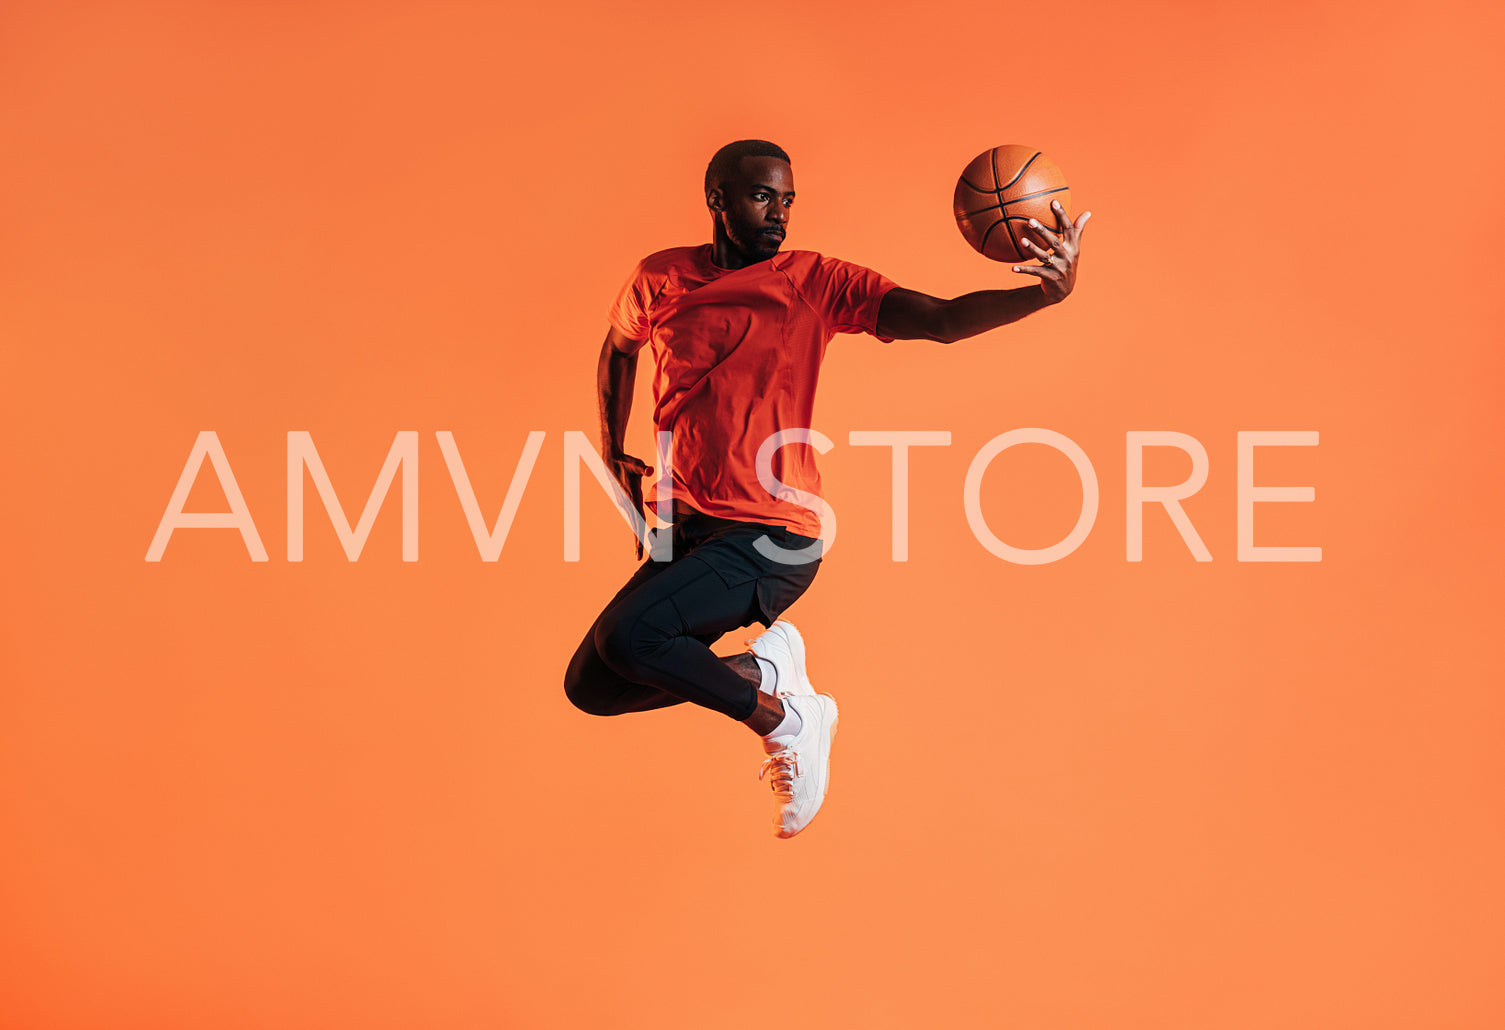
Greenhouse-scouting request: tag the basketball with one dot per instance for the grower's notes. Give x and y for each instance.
(1000, 191)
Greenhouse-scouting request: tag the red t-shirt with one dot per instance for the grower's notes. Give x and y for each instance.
(737, 355)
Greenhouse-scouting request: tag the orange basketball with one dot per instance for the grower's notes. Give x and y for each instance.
(1000, 191)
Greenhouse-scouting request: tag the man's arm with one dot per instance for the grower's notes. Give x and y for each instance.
(616, 373)
(908, 315)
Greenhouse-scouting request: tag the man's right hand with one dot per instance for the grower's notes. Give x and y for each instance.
(629, 472)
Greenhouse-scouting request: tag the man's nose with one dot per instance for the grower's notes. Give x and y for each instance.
(778, 213)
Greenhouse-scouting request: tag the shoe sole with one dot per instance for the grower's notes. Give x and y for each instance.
(783, 834)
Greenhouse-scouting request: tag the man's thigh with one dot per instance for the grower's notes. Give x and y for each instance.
(776, 585)
(743, 586)
(687, 597)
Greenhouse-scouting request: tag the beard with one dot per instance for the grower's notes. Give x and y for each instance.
(753, 242)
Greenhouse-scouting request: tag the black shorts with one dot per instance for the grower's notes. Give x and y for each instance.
(650, 647)
(729, 547)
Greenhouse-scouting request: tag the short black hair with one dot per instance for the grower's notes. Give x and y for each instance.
(728, 159)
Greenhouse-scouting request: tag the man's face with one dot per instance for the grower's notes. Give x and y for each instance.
(754, 207)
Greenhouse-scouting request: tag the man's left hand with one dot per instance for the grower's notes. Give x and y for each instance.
(1057, 270)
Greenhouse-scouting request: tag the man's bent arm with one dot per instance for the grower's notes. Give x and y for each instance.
(616, 372)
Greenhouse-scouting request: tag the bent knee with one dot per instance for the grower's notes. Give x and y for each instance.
(623, 644)
(587, 696)
(591, 704)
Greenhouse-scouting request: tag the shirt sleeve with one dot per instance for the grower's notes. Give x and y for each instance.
(847, 295)
(629, 313)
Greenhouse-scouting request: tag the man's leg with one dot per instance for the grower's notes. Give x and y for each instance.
(659, 634)
(637, 630)
(593, 687)
(650, 648)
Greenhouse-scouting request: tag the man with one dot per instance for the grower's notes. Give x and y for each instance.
(738, 329)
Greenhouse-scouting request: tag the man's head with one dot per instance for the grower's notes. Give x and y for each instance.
(749, 189)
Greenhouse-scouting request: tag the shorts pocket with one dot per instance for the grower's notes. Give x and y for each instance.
(727, 561)
(780, 589)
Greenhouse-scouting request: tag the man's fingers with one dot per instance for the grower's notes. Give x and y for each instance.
(1061, 261)
(632, 486)
(1044, 233)
(1037, 250)
(1043, 271)
(1063, 224)
(1081, 222)
(636, 490)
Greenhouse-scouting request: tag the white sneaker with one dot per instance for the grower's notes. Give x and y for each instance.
(801, 765)
(782, 646)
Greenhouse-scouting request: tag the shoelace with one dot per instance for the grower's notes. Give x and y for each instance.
(786, 766)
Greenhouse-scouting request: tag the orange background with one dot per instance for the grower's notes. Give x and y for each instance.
(1086, 794)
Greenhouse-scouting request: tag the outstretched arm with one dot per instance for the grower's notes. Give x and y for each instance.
(616, 372)
(908, 315)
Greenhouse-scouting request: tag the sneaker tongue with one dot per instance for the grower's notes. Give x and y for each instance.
(770, 672)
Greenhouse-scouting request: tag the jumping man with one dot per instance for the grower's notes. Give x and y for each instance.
(738, 329)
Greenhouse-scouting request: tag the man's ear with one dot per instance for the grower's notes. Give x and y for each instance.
(714, 199)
